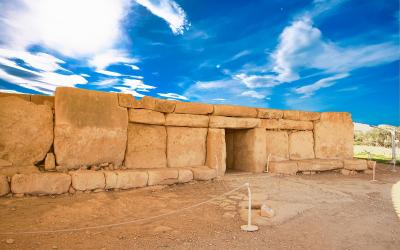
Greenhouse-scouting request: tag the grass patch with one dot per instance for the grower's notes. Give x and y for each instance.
(376, 157)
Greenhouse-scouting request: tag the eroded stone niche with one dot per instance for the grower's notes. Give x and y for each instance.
(84, 140)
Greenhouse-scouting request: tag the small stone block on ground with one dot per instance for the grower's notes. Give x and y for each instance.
(43, 183)
(83, 180)
(162, 176)
(185, 175)
(266, 211)
(4, 186)
(355, 164)
(204, 173)
(125, 179)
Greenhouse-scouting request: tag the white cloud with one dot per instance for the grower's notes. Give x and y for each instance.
(10, 91)
(137, 84)
(173, 96)
(128, 90)
(309, 90)
(106, 83)
(168, 10)
(301, 46)
(133, 67)
(257, 81)
(108, 72)
(102, 60)
(72, 27)
(253, 94)
(40, 61)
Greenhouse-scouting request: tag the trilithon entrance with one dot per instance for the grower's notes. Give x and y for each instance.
(245, 150)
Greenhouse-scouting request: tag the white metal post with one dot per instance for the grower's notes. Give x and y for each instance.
(249, 227)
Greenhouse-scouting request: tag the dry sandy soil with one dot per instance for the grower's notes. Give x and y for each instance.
(322, 211)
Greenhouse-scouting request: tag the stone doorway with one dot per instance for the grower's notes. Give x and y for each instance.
(245, 150)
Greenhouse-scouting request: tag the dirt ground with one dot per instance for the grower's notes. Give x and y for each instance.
(322, 211)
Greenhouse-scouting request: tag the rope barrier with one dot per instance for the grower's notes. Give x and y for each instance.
(126, 222)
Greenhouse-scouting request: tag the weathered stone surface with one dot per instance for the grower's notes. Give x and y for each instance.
(270, 113)
(309, 116)
(187, 120)
(126, 100)
(20, 96)
(216, 150)
(4, 186)
(295, 125)
(269, 123)
(283, 167)
(250, 150)
(319, 165)
(4, 163)
(26, 131)
(355, 164)
(125, 179)
(185, 175)
(291, 115)
(91, 128)
(301, 145)
(12, 170)
(146, 116)
(266, 211)
(277, 145)
(50, 162)
(162, 176)
(44, 183)
(193, 108)
(233, 122)
(147, 146)
(204, 173)
(43, 100)
(231, 110)
(333, 136)
(87, 180)
(186, 147)
(230, 149)
(155, 104)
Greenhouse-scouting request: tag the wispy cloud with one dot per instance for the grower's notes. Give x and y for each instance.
(170, 11)
(254, 94)
(173, 96)
(309, 90)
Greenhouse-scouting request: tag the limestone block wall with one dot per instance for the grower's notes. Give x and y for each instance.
(82, 140)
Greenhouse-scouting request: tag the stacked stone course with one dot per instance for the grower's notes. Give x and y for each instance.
(82, 140)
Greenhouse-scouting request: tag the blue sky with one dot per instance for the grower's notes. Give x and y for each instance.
(309, 55)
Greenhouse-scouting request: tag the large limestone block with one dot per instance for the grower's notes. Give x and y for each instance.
(164, 176)
(301, 145)
(125, 179)
(155, 104)
(309, 116)
(126, 100)
(231, 110)
(230, 149)
(283, 167)
(147, 146)
(91, 128)
(269, 123)
(334, 135)
(291, 114)
(270, 113)
(13, 170)
(319, 165)
(193, 108)
(249, 150)
(185, 175)
(43, 100)
(4, 186)
(355, 164)
(216, 150)
(26, 131)
(204, 173)
(4, 163)
(295, 125)
(87, 180)
(146, 116)
(186, 147)
(277, 145)
(233, 122)
(187, 120)
(43, 183)
(20, 96)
